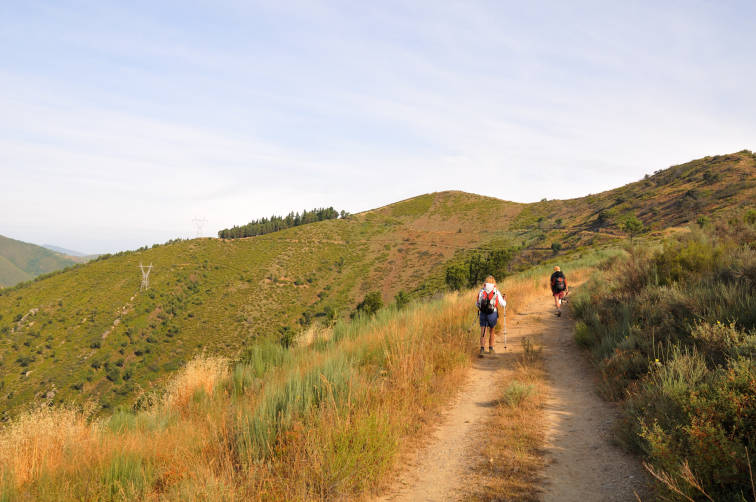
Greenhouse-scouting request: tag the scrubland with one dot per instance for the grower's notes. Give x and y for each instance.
(673, 330)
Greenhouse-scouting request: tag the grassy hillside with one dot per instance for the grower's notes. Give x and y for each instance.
(90, 332)
(668, 198)
(21, 261)
(10, 274)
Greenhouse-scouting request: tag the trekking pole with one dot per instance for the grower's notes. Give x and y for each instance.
(475, 319)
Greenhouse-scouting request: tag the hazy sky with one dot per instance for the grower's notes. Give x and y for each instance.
(120, 123)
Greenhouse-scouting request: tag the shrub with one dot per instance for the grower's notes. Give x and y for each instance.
(584, 336)
(401, 300)
(456, 277)
(113, 374)
(516, 393)
(371, 304)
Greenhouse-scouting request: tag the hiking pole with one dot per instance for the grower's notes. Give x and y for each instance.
(475, 319)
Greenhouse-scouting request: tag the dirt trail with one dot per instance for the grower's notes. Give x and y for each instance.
(582, 464)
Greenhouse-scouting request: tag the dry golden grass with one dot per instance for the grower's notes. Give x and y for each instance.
(36, 442)
(201, 373)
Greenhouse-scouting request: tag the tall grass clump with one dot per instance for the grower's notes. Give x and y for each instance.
(125, 478)
(673, 331)
(36, 442)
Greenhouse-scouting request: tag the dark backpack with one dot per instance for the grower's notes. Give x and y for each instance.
(487, 306)
(559, 284)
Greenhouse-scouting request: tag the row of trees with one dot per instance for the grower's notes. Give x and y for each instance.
(276, 223)
(477, 267)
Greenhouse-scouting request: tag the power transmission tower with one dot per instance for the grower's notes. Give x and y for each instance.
(199, 225)
(145, 276)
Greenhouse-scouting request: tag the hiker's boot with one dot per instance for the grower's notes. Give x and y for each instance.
(482, 351)
(559, 313)
(491, 350)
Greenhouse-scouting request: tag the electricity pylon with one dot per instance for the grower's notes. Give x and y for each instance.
(199, 225)
(145, 276)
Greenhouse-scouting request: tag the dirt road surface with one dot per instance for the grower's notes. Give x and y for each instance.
(582, 464)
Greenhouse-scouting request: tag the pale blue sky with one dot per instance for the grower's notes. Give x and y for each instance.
(120, 123)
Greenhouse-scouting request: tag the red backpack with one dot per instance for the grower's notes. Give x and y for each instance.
(487, 306)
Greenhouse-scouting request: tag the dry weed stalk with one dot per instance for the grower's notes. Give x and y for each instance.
(750, 474)
(671, 483)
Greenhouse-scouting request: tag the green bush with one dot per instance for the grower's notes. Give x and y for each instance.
(456, 277)
(584, 336)
(401, 300)
(516, 393)
(371, 304)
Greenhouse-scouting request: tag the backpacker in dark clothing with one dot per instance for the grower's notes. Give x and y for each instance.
(558, 282)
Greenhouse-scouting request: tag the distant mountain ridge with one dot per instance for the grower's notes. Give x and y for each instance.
(21, 261)
(92, 333)
(64, 251)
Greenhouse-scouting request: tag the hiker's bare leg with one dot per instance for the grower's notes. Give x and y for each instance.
(482, 336)
(491, 337)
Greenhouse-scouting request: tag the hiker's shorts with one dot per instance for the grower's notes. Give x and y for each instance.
(488, 320)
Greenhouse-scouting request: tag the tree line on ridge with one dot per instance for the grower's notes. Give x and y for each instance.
(276, 223)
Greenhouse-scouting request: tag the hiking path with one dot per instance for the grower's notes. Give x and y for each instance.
(582, 464)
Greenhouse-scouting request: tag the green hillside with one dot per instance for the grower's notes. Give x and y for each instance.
(10, 274)
(21, 261)
(91, 332)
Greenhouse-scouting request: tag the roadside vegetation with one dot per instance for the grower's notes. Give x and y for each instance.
(673, 331)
